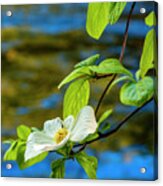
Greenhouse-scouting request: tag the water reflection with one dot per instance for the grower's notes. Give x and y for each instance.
(126, 163)
(40, 45)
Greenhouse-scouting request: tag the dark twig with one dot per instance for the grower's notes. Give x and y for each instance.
(115, 129)
(98, 76)
(120, 57)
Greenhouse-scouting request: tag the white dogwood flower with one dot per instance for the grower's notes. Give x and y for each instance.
(56, 132)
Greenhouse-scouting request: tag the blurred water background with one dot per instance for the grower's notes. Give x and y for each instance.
(40, 45)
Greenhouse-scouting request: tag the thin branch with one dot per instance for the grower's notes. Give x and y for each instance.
(115, 129)
(103, 94)
(120, 57)
(98, 76)
(126, 32)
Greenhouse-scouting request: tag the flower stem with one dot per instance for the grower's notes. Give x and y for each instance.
(120, 57)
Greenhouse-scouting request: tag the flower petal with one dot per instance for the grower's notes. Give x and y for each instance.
(52, 126)
(69, 122)
(86, 124)
(37, 143)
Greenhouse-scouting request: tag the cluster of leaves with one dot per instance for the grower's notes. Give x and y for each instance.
(89, 164)
(135, 91)
(78, 92)
(18, 147)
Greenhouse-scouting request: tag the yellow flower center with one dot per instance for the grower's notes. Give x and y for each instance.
(60, 135)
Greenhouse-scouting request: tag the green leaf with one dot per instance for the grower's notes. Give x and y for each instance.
(123, 78)
(89, 164)
(34, 129)
(11, 153)
(58, 169)
(23, 132)
(105, 127)
(105, 115)
(136, 94)
(116, 9)
(90, 137)
(137, 74)
(76, 97)
(16, 152)
(149, 54)
(110, 66)
(150, 20)
(99, 15)
(77, 73)
(89, 61)
(81, 70)
(24, 164)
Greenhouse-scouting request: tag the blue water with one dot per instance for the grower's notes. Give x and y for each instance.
(42, 20)
(51, 101)
(111, 165)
